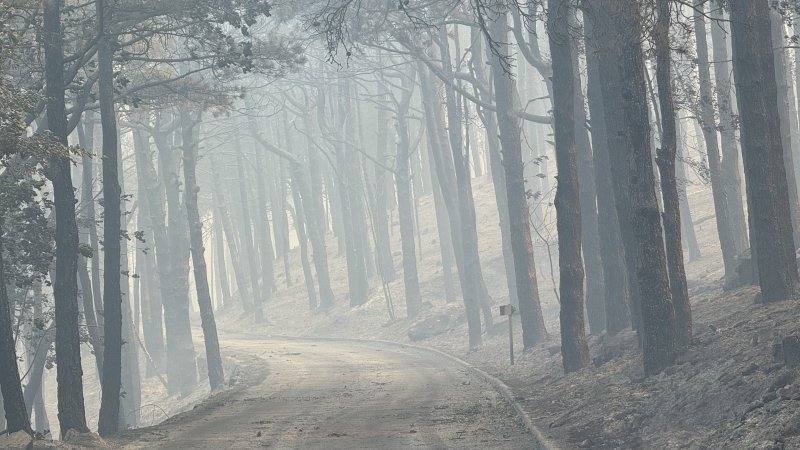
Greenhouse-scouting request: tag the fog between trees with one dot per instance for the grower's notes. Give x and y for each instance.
(166, 163)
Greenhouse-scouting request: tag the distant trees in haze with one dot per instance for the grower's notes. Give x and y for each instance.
(217, 139)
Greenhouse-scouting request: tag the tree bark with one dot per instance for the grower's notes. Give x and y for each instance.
(687, 223)
(728, 123)
(153, 322)
(489, 119)
(12, 400)
(404, 203)
(447, 181)
(618, 27)
(533, 328)
(216, 376)
(762, 152)
(590, 227)
(181, 361)
(618, 283)
(471, 262)
(247, 235)
(784, 113)
(71, 409)
(665, 159)
(112, 296)
(574, 348)
(722, 204)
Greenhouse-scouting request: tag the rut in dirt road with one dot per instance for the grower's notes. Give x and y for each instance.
(345, 395)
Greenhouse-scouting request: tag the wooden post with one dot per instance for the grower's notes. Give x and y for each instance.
(508, 310)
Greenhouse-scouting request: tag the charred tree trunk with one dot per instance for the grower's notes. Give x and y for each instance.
(600, 46)
(153, 321)
(722, 205)
(762, 152)
(489, 119)
(316, 218)
(404, 203)
(247, 235)
(590, 227)
(471, 262)
(222, 215)
(71, 409)
(12, 400)
(687, 224)
(784, 113)
(618, 26)
(181, 362)
(533, 328)
(729, 122)
(446, 177)
(112, 295)
(665, 159)
(574, 348)
(88, 219)
(443, 226)
(302, 239)
(618, 283)
(213, 358)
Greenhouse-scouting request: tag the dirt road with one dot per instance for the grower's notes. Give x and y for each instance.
(320, 394)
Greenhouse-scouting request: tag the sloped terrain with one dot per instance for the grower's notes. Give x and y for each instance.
(727, 390)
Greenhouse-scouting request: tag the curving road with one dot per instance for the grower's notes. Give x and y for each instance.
(342, 395)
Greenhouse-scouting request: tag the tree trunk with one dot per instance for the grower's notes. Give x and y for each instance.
(622, 74)
(762, 153)
(71, 409)
(88, 221)
(215, 374)
(574, 348)
(221, 279)
(12, 400)
(446, 177)
(222, 215)
(784, 113)
(489, 119)
(618, 283)
(247, 235)
(469, 233)
(665, 159)
(404, 202)
(590, 227)
(302, 239)
(533, 328)
(152, 323)
(112, 304)
(443, 226)
(687, 224)
(311, 196)
(181, 362)
(732, 180)
(722, 205)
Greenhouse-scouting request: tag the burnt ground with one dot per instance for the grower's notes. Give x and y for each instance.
(726, 391)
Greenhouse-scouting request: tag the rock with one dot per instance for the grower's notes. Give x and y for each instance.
(430, 327)
(749, 370)
(788, 392)
(777, 350)
(763, 335)
(18, 440)
(791, 351)
(85, 440)
(783, 378)
(768, 397)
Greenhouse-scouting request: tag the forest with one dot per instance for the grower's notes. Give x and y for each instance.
(399, 224)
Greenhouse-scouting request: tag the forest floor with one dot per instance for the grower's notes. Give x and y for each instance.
(725, 391)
